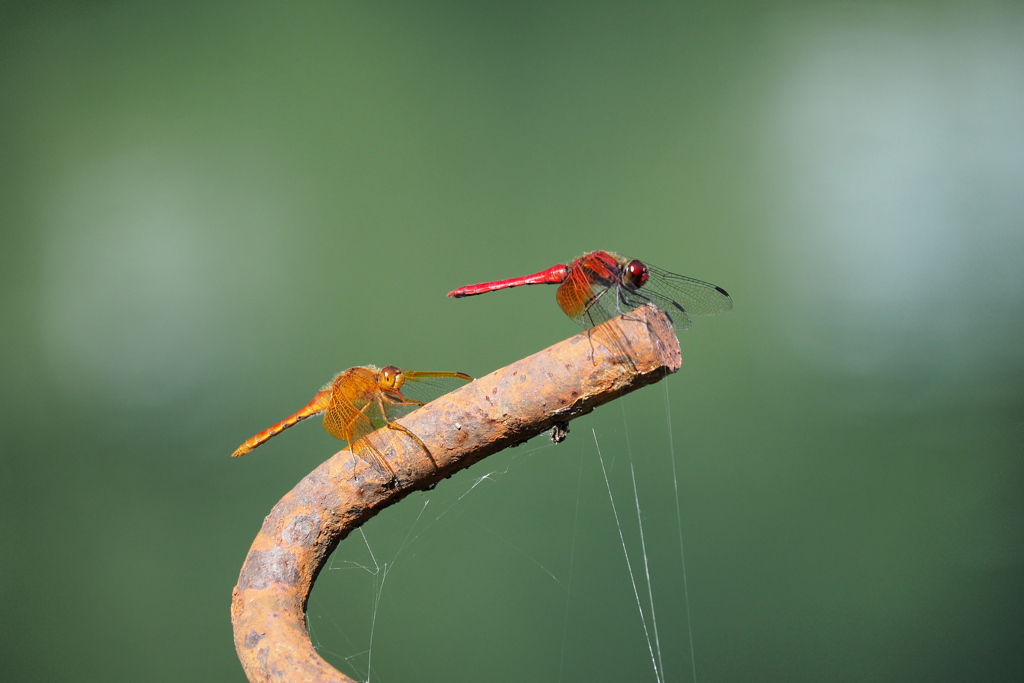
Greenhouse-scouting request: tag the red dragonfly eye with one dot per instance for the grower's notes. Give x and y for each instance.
(635, 274)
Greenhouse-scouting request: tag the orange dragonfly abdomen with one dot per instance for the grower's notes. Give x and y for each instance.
(314, 407)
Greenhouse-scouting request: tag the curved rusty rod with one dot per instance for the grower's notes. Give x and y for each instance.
(505, 408)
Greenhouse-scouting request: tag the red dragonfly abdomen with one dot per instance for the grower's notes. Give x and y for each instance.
(552, 276)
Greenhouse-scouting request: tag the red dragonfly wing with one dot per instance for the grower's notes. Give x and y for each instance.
(679, 296)
(599, 291)
(584, 297)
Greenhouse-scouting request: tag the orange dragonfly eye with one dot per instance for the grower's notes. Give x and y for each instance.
(391, 378)
(635, 274)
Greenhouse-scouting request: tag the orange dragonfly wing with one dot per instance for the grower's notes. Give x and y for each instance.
(351, 412)
(418, 389)
(362, 402)
(359, 404)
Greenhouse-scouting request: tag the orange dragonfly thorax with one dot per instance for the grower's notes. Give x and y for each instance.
(359, 400)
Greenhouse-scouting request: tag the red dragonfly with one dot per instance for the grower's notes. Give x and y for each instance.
(361, 400)
(601, 285)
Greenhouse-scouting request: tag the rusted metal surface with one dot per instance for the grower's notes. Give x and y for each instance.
(505, 408)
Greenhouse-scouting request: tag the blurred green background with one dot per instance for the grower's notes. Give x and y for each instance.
(207, 209)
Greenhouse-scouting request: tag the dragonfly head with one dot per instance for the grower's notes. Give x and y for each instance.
(635, 274)
(391, 379)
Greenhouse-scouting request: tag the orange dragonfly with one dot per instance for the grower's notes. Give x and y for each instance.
(602, 284)
(361, 400)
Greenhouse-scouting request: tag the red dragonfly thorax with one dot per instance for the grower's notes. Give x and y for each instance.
(594, 275)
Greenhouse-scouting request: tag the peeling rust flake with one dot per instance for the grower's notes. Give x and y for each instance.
(253, 639)
(263, 567)
(303, 530)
